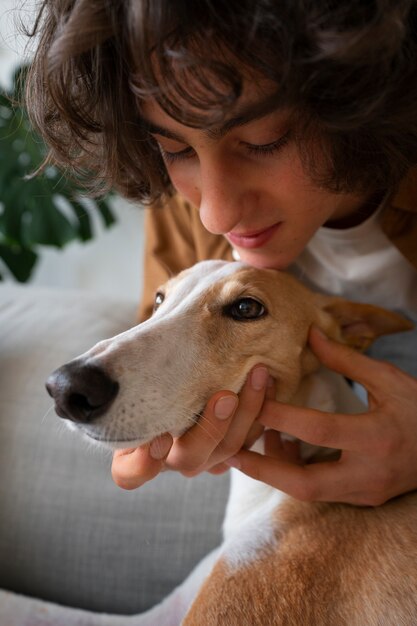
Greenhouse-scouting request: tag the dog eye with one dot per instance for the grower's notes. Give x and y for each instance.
(245, 309)
(159, 298)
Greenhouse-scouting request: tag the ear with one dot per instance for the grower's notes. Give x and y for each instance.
(360, 324)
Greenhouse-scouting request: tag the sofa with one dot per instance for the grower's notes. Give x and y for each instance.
(68, 534)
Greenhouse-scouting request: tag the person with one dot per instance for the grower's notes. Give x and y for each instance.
(281, 133)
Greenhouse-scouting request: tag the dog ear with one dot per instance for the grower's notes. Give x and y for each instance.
(360, 324)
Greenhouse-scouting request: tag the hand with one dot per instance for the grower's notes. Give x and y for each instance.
(227, 424)
(379, 448)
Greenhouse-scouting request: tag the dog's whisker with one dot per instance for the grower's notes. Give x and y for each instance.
(51, 408)
(200, 423)
(203, 418)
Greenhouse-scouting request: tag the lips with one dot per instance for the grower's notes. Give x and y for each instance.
(254, 239)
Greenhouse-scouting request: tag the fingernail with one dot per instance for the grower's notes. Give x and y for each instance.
(259, 378)
(224, 407)
(233, 462)
(160, 447)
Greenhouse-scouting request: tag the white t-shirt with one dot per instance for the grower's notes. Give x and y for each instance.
(359, 263)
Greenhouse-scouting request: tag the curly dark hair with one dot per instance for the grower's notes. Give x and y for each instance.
(348, 68)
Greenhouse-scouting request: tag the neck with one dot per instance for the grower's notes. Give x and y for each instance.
(358, 215)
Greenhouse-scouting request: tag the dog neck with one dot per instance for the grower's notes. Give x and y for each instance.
(326, 391)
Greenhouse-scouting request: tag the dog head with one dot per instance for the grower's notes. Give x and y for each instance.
(211, 325)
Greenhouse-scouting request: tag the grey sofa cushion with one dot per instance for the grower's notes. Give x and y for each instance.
(67, 533)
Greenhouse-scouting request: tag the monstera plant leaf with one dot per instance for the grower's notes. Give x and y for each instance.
(45, 210)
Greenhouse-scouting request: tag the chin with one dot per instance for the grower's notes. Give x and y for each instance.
(263, 260)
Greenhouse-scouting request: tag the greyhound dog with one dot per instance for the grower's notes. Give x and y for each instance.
(282, 562)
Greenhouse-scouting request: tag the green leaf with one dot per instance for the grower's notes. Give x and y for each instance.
(11, 218)
(106, 212)
(20, 261)
(46, 225)
(84, 229)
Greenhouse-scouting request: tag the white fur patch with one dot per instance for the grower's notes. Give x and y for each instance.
(248, 528)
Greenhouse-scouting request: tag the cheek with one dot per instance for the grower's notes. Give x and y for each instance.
(303, 202)
(186, 182)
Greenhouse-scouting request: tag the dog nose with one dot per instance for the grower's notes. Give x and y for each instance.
(82, 392)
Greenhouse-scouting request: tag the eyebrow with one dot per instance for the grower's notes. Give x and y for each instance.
(213, 133)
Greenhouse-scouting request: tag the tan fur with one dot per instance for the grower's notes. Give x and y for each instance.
(334, 565)
(360, 324)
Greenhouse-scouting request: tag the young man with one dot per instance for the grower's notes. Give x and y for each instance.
(282, 133)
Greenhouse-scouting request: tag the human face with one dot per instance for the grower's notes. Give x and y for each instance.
(248, 182)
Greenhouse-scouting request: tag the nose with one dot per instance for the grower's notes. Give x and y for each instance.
(224, 197)
(82, 392)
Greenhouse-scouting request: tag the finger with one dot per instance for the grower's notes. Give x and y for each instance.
(271, 388)
(345, 360)
(277, 445)
(253, 435)
(330, 430)
(134, 467)
(221, 468)
(329, 482)
(191, 450)
(213, 440)
(251, 399)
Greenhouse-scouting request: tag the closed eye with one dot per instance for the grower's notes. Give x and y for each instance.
(170, 157)
(268, 148)
(245, 309)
